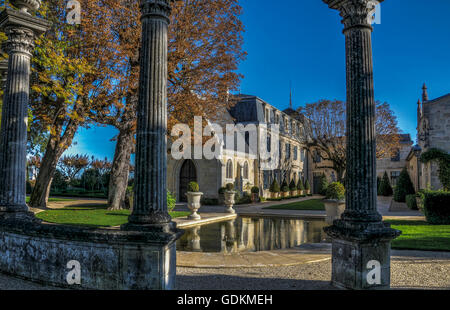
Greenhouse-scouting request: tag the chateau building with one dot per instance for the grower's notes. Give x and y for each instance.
(433, 131)
(245, 168)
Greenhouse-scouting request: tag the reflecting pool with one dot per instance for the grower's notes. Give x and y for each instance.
(252, 234)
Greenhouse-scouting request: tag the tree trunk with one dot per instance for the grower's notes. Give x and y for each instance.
(118, 180)
(41, 191)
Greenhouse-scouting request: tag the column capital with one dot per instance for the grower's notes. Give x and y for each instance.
(21, 30)
(355, 13)
(156, 9)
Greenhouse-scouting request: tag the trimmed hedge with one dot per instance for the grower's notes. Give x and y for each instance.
(385, 188)
(275, 187)
(436, 207)
(411, 202)
(323, 185)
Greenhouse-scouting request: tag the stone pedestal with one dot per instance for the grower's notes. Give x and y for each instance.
(21, 30)
(361, 241)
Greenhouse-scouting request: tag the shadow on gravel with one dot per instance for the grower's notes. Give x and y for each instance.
(228, 282)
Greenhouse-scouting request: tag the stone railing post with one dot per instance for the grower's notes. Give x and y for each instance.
(21, 29)
(361, 241)
(150, 196)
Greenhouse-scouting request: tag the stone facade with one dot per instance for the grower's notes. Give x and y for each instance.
(433, 131)
(243, 169)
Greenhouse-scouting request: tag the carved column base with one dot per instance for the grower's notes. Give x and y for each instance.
(361, 254)
(11, 213)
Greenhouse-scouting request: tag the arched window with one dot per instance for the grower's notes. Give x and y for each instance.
(229, 169)
(246, 170)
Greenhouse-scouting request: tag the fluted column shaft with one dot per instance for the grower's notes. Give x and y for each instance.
(13, 135)
(150, 194)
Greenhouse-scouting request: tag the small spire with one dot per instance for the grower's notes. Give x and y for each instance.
(424, 93)
(290, 95)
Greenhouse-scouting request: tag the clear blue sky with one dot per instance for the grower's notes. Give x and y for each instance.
(302, 41)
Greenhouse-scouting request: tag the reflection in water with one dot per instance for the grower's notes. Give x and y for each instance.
(249, 234)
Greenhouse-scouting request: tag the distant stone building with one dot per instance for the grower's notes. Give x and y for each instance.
(236, 167)
(433, 131)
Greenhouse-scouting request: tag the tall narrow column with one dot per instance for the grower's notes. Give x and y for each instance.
(361, 241)
(21, 29)
(150, 194)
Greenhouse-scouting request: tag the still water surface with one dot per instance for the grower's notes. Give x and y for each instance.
(252, 234)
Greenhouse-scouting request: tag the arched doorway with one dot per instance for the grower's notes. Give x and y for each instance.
(188, 174)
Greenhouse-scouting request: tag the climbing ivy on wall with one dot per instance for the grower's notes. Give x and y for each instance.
(443, 160)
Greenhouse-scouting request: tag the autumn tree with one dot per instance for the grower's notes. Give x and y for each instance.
(71, 165)
(205, 48)
(71, 77)
(324, 123)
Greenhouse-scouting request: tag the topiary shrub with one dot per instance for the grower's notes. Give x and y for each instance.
(222, 190)
(300, 185)
(255, 190)
(411, 202)
(404, 187)
(323, 185)
(193, 187)
(274, 187)
(335, 191)
(443, 159)
(307, 185)
(385, 186)
(292, 186)
(230, 187)
(284, 187)
(436, 207)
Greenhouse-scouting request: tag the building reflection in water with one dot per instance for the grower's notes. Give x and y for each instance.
(249, 234)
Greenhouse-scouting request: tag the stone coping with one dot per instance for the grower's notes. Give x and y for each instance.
(207, 218)
(277, 258)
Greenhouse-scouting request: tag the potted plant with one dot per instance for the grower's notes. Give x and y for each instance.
(300, 187)
(255, 194)
(284, 189)
(293, 188)
(275, 189)
(222, 195)
(229, 198)
(334, 201)
(307, 188)
(194, 197)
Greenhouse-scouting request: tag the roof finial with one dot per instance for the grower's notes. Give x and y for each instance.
(290, 94)
(424, 93)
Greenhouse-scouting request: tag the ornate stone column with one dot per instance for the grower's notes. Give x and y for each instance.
(361, 241)
(150, 196)
(21, 29)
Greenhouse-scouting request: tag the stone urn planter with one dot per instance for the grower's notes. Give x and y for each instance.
(229, 201)
(26, 5)
(334, 209)
(194, 204)
(334, 202)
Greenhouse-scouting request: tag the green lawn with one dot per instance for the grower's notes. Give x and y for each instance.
(419, 235)
(313, 204)
(91, 215)
(51, 199)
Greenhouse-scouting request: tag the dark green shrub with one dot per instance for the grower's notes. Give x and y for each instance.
(255, 190)
(230, 187)
(411, 202)
(210, 201)
(307, 185)
(323, 185)
(335, 191)
(385, 186)
(378, 184)
(284, 187)
(171, 201)
(404, 187)
(436, 207)
(274, 187)
(193, 187)
(293, 186)
(300, 185)
(222, 190)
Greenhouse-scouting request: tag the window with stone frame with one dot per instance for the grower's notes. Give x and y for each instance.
(229, 169)
(288, 151)
(246, 170)
(395, 175)
(295, 153)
